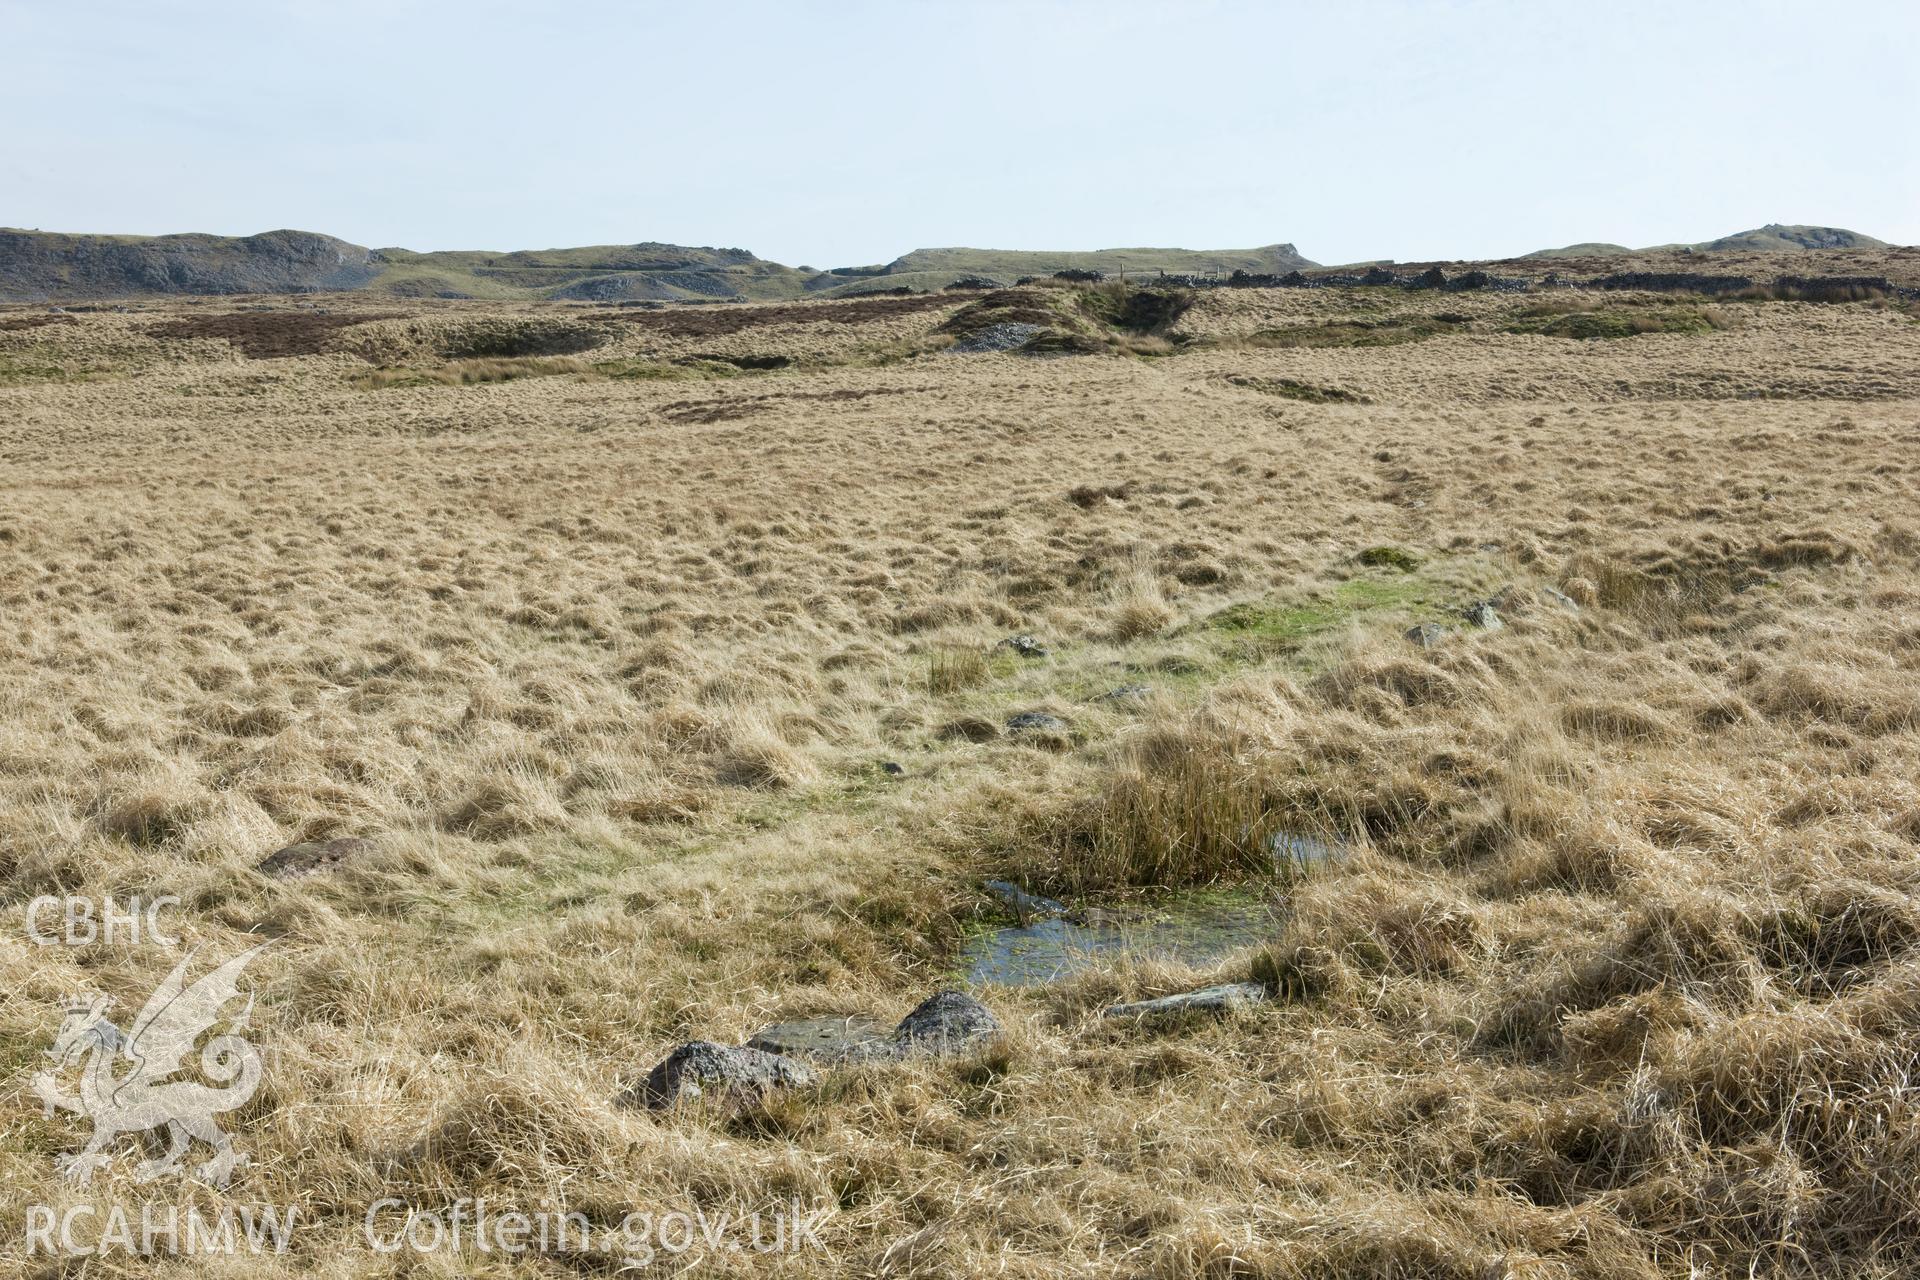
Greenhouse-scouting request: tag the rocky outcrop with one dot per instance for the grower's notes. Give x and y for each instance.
(1778, 237)
(40, 266)
(48, 267)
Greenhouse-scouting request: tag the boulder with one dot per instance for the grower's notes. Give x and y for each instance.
(1027, 906)
(1560, 598)
(297, 861)
(1127, 693)
(1036, 722)
(1427, 634)
(703, 1070)
(1483, 615)
(1025, 645)
(946, 1022)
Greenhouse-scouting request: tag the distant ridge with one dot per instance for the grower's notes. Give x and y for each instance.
(51, 267)
(41, 266)
(1775, 237)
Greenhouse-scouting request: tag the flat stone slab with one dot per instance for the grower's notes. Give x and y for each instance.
(313, 857)
(829, 1038)
(1220, 999)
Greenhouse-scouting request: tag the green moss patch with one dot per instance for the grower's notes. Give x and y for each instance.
(1263, 626)
(27, 372)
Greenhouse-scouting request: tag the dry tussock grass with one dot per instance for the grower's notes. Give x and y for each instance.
(1617, 976)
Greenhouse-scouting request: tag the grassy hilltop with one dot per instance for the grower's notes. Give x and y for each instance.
(936, 268)
(1772, 238)
(596, 273)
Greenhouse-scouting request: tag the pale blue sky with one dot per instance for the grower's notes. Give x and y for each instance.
(842, 134)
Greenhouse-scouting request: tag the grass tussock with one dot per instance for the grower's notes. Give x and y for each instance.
(951, 671)
(1188, 806)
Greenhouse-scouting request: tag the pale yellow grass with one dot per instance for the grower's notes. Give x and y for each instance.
(1618, 980)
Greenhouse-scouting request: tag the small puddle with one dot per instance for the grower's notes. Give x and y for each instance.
(1194, 932)
(1196, 929)
(1299, 852)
